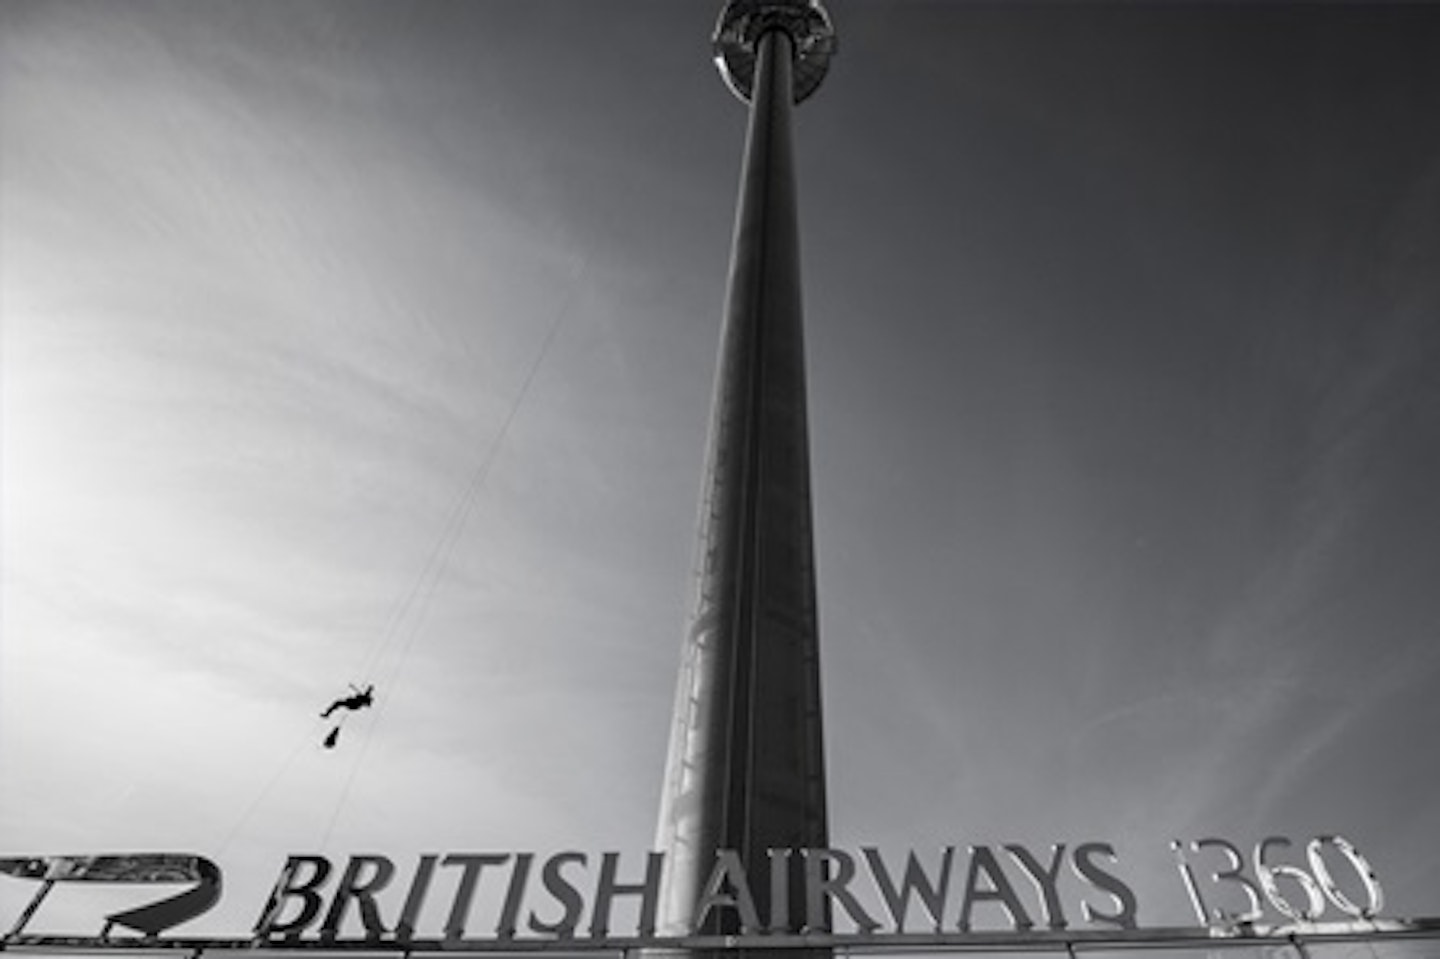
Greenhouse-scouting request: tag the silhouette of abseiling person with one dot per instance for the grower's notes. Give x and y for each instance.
(359, 699)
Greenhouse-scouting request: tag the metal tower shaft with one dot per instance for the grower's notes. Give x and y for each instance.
(746, 763)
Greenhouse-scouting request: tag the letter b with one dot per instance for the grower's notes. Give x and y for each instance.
(286, 887)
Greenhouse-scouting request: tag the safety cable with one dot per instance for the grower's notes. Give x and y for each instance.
(307, 737)
(431, 574)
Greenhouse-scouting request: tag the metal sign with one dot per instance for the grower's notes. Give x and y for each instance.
(565, 902)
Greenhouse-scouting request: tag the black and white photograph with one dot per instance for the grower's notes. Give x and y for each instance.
(720, 477)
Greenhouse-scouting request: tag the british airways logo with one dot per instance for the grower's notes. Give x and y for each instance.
(149, 868)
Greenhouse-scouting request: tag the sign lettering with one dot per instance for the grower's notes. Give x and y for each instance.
(444, 900)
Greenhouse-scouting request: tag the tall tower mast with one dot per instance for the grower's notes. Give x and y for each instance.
(746, 768)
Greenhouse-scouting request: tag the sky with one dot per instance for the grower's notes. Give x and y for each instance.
(347, 342)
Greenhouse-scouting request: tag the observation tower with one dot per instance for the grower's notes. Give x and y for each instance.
(746, 769)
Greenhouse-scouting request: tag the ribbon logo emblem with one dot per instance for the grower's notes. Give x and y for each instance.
(139, 868)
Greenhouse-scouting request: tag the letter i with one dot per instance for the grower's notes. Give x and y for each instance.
(415, 898)
(514, 894)
(779, 889)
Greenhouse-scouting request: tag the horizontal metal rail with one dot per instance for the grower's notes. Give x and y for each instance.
(1058, 940)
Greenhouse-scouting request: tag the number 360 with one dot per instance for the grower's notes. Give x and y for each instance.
(1316, 886)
